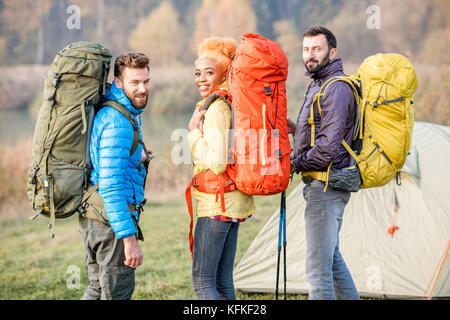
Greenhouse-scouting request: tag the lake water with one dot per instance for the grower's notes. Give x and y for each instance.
(163, 134)
(156, 129)
(15, 125)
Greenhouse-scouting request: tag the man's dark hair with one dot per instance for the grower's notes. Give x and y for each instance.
(316, 30)
(133, 60)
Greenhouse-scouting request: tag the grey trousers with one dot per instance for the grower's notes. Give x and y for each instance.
(326, 270)
(109, 277)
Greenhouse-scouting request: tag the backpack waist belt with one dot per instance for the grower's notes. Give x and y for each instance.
(319, 175)
(92, 207)
(207, 182)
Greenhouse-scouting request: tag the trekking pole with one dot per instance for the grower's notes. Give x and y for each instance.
(281, 234)
(280, 230)
(283, 199)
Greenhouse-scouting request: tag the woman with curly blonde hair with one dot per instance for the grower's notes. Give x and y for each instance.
(218, 217)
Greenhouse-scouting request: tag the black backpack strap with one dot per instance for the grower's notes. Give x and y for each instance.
(127, 114)
(211, 98)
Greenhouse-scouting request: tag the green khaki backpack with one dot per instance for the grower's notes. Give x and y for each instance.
(61, 164)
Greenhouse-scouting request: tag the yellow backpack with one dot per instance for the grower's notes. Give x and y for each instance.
(384, 87)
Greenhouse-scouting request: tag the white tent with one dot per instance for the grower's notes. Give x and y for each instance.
(412, 262)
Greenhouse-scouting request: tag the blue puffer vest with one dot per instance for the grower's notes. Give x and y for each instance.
(120, 181)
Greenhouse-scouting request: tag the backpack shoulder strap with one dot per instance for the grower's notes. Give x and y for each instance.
(225, 96)
(219, 94)
(352, 82)
(127, 114)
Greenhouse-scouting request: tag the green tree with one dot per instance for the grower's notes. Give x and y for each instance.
(159, 35)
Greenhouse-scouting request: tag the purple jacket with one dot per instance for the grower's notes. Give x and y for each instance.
(336, 123)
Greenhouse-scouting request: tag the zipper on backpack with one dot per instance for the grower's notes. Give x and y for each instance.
(378, 147)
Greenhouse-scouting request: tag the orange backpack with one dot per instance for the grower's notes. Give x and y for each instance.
(259, 147)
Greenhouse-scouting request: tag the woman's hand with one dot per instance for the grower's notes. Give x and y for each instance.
(194, 123)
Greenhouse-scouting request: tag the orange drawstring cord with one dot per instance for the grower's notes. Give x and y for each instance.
(391, 230)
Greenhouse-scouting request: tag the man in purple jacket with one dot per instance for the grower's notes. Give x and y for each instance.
(326, 270)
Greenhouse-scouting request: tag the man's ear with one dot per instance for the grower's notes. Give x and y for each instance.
(118, 82)
(333, 53)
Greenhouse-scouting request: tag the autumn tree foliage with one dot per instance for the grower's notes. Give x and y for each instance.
(226, 18)
(21, 23)
(33, 31)
(159, 36)
(288, 39)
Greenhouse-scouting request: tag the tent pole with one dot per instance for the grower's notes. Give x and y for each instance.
(444, 255)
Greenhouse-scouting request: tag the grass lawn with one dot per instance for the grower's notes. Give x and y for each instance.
(34, 266)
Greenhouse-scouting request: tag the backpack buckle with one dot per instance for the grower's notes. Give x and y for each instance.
(140, 207)
(33, 174)
(55, 80)
(278, 153)
(82, 208)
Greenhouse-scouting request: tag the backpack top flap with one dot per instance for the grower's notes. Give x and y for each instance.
(261, 59)
(82, 58)
(390, 68)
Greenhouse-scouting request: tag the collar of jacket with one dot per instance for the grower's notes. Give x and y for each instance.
(222, 86)
(329, 69)
(117, 94)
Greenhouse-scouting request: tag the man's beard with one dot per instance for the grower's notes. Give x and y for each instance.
(135, 101)
(139, 103)
(318, 65)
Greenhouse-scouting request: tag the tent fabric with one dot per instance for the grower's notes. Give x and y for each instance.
(400, 265)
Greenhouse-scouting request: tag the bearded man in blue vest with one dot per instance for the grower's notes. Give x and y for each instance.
(113, 252)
